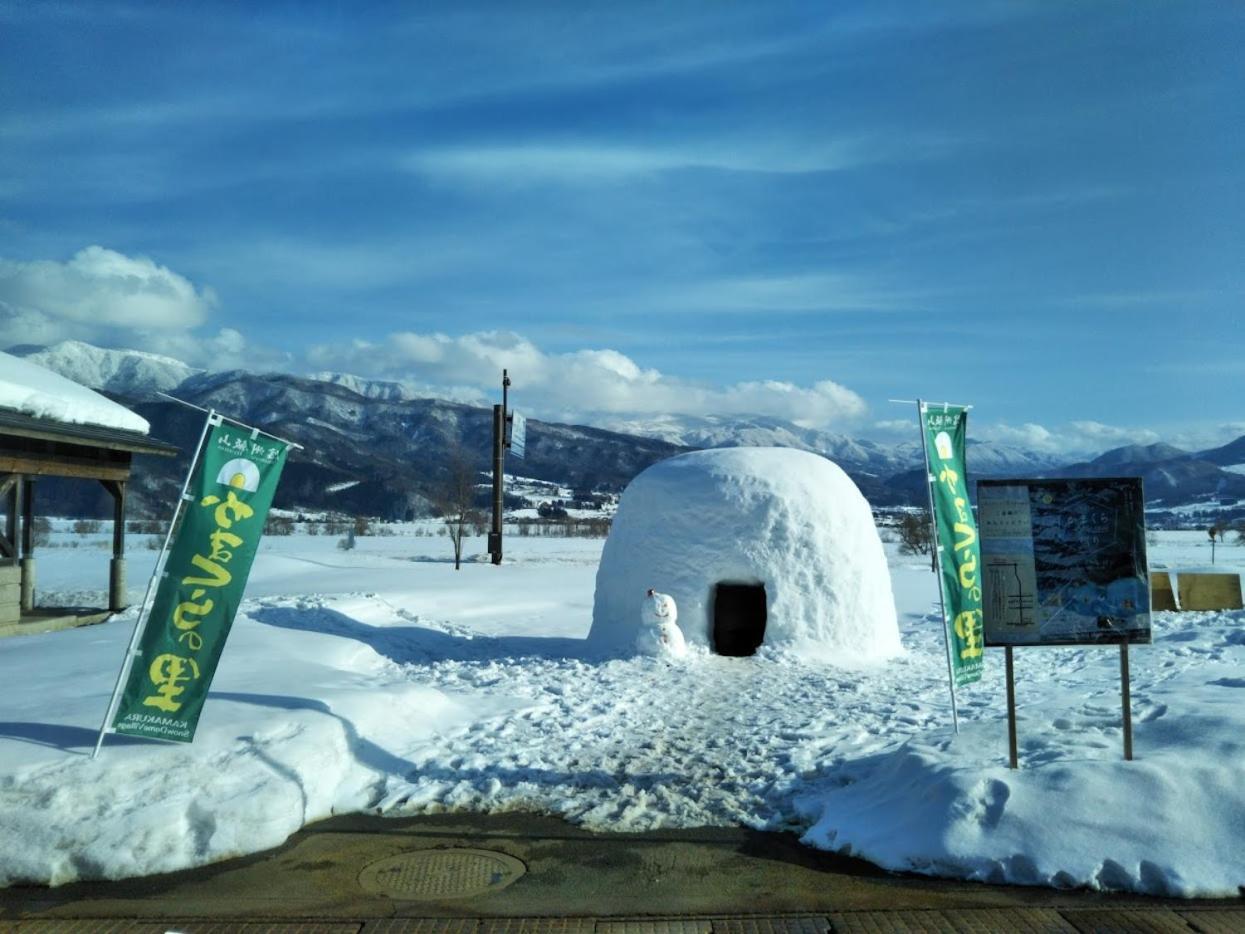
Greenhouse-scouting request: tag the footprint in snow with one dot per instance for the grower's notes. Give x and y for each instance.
(1228, 682)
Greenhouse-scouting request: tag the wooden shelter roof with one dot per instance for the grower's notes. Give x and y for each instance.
(21, 425)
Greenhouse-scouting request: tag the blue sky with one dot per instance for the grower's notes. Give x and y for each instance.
(798, 210)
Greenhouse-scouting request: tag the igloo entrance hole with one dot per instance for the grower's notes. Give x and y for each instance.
(738, 618)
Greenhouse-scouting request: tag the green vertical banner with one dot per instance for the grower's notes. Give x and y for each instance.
(943, 430)
(204, 576)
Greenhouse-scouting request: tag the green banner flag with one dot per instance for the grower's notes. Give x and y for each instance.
(204, 576)
(943, 431)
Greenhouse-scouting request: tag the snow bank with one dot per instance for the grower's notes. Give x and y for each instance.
(791, 520)
(32, 390)
(1074, 813)
(1167, 824)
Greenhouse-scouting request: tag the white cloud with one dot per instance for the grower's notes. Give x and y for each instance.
(1112, 436)
(898, 426)
(104, 288)
(109, 299)
(578, 384)
(1076, 439)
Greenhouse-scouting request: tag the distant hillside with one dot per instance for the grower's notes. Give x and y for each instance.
(1170, 476)
(381, 447)
(377, 456)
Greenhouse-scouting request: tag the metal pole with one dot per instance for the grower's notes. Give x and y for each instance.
(499, 427)
(936, 549)
(1012, 757)
(1126, 695)
(140, 624)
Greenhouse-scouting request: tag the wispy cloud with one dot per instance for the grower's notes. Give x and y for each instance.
(816, 292)
(571, 162)
(1075, 439)
(1129, 300)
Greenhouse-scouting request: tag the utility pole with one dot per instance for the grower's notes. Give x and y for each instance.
(499, 462)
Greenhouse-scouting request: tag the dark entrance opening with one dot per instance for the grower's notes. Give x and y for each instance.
(738, 618)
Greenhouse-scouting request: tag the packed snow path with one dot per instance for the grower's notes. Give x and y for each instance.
(645, 742)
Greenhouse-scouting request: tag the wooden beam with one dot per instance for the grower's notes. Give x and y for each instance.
(81, 469)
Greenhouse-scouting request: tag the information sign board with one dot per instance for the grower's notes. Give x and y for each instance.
(1064, 561)
(518, 434)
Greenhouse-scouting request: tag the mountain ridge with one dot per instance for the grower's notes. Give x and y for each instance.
(381, 446)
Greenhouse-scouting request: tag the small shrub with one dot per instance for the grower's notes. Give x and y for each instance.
(279, 525)
(42, 531)
(915, 535)
(362, 525)
(87, 526)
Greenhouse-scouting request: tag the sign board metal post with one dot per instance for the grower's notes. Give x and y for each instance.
(1012, 757)
(1126, 699)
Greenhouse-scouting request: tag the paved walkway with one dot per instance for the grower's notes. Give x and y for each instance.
(521, 874)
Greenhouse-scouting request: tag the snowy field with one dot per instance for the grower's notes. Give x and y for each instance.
(380, 679)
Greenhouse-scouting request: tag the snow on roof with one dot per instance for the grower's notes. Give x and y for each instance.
(32, 390)
(787, 519)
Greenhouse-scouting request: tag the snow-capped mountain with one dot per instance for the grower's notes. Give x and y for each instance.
(390, 390)
(131, 373)
(714, 431)
(874, 458)
(378, 446)
(991, 458)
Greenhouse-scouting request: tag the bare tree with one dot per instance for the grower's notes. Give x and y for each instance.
(915, 536)
(455, 500)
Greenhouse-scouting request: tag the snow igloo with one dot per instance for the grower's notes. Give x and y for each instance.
(758, 546)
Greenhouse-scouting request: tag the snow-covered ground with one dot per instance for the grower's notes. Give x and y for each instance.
(381, 679)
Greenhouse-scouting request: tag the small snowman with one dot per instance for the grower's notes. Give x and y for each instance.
(659, 632)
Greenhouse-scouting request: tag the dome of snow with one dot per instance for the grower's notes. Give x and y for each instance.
(788, 520)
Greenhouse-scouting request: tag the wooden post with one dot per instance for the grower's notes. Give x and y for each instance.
(116, 576)
(1012, 756)
(1126, 697)
(28, 545)
(9, 489)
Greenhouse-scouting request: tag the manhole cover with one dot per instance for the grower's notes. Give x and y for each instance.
(437, 874)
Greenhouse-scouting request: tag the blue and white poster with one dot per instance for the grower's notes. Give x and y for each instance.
(1063, 561)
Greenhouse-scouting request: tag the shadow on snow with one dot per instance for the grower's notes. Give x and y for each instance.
(419, 644)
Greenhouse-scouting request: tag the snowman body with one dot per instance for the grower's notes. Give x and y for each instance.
(660, 633)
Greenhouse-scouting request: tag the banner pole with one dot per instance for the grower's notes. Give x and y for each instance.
(140, 624)
(935, 547)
